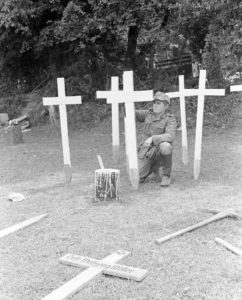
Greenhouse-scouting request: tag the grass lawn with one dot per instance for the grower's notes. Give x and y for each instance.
(192, 266)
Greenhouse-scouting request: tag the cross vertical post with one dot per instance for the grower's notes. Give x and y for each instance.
(64, 129)
(199, 124)
(62, 100)
(183, 120)
(126, 142)
(130, 134)
(115, 121)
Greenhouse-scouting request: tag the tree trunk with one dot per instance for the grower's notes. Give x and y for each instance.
(132, 45)
(53, 76)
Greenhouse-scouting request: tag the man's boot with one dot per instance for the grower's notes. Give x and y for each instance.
(165, 181)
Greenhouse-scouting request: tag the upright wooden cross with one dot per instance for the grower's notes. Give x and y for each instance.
(62, 100)
(95, 268)
(129, 96)
(182, 93)
(202, 92)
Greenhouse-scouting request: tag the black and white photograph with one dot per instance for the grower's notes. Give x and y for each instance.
(120, 150)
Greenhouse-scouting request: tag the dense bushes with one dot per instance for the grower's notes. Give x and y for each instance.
(87, 42)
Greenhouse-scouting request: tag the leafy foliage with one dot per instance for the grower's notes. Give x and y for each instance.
(88, 41)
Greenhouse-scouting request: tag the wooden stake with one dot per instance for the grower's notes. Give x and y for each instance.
(126, 129)
(81, 280)
(115, 121)
(229, 246)
(21, 225)
(128, 85)
(100, 161)
(227, 213)
(183, 120)
(62, 101)
(199, 125)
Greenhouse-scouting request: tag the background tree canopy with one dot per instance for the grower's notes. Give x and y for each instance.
(87, 41)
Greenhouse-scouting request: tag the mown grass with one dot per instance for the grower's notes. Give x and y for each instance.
(192, 266)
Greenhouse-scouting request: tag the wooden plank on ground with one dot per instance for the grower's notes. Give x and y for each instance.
(21, 225)
(229, 246)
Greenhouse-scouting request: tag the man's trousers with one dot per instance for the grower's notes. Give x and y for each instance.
(158, 156)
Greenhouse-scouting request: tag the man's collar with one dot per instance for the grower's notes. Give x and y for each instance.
(158, 116)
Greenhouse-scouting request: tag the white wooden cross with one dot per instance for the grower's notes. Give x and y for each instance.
(236, 88)
(62, 100)
(129, 96)
(182, 93)
(95, 268)
(115, 121)
(202, 92)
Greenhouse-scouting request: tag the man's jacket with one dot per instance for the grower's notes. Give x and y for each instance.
(162, 128)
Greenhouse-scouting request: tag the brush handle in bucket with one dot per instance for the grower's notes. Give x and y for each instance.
(107, 184)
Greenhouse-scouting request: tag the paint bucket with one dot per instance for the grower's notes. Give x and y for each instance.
(107, 184)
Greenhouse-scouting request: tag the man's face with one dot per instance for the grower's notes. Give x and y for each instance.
(159, 106)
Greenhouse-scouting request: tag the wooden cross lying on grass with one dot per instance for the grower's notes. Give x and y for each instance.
(62, 100)
(95, 268)
(129, 97)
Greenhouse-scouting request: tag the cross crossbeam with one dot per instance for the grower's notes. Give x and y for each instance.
(236, 88)
(62, 100)
(125, 96)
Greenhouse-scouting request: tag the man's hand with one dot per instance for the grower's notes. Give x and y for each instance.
(148, 141)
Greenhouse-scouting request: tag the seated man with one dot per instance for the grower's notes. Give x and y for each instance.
(159, 133)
